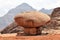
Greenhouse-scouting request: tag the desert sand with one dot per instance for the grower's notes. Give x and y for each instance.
(45, 37)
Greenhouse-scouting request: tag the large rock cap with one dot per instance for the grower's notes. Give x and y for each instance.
(31, 19)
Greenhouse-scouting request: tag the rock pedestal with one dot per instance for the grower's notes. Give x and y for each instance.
(32, 31)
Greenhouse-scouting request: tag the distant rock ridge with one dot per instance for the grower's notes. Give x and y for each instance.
(47, 11)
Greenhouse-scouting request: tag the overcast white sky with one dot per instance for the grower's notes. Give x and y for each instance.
(6, 5)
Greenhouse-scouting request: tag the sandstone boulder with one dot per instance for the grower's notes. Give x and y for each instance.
(31, 19)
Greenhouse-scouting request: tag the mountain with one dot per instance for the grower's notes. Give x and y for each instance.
(8, 18)
(46, 10)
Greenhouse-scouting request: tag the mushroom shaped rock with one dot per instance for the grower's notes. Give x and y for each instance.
(32, 19)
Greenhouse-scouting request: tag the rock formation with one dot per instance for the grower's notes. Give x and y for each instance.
(56, 12)
(32, 21)
(12, 28)
(55, 19)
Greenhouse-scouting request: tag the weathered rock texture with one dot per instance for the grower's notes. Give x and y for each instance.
(12, 28)
(56, 12)
(55, 19)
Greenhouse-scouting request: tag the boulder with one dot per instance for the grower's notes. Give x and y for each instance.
(31, 19)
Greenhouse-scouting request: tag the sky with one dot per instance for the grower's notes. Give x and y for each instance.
(6, 5)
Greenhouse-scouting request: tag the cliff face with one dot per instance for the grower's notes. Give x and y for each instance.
(55, 19)
(56, 12)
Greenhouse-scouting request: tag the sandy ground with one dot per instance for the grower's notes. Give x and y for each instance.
(46, 37)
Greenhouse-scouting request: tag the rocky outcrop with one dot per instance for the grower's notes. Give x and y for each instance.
(56, 12)
(55, 19)
(12, 28)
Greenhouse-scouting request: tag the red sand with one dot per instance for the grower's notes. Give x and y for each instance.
(47, 37)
